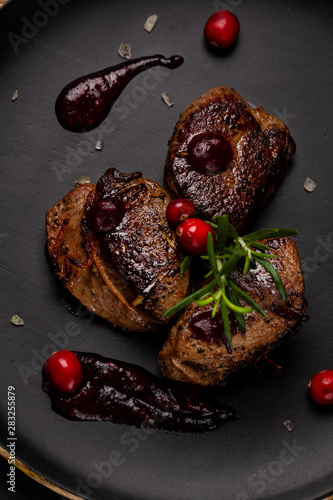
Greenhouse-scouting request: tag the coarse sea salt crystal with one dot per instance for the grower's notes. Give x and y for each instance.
(99, 145)
(289, 425)
(125, 50)
(309, 185)
(84, 179)
(167, 99)
(150, 23)
(16, 320)
(15, 95)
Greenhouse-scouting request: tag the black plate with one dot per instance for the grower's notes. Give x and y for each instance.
(282, 61)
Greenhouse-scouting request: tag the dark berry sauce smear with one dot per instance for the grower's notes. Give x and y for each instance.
(128, 394)
(84, 103)
(211, 330)
(209, 153)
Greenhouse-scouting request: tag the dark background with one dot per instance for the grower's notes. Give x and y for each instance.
(26, 488)
(282, 61)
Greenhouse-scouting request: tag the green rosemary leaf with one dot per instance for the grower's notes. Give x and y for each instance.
(222, 233)
(214, 311)
(212, 224)
(217, 302)
(210, 273)
(275, 276)
(215, 218)
(263, 234)
(247, 264)
(190, 298)
(263, 255)
(247, 299)
(234, 307)
(226, 325)
(260, 246)
(220, 257)
(212, 259)
(229, 250)
(186, 263)
(239, 317)
(223, 257)
(232, 232)
(204, 302)
(230, 264)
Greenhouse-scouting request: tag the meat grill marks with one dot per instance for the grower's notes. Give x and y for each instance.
(187, 358)
(142, 248)
(262, 148)
(131, 275)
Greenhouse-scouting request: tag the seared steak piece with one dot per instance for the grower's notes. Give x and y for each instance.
(227, 157)
(128, 274)
(196, 351)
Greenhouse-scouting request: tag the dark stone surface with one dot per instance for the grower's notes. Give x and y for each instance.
(281, 61)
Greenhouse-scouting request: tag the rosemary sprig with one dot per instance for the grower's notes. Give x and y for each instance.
(221, 259)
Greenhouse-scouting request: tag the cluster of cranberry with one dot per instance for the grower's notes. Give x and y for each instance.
(191, 232)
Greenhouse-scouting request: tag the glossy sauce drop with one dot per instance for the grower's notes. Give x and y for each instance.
(128, 394)
(209, 153)
(105, 215)
(84, 103)
(211, 330)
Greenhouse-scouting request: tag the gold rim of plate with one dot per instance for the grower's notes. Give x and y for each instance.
(38, 478)
(44, 482)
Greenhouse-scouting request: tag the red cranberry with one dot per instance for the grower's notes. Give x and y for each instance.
(64, 371)
(209, 153)
(178, 210)
(105, 215)
(321, 387)
(221, 29)
(192, 236)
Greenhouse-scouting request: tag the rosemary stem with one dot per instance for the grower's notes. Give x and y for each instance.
(223, 256)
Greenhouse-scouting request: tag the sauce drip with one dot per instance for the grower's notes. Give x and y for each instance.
(128, 394)
(84, 103)
(211, 330)
(209, 153)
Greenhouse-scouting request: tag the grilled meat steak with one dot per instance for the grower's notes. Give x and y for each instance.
(196, 350)
(128, 274)
(227, 157)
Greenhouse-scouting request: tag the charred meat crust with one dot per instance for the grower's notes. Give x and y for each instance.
(104, 286)
(262, 148)
(186, 358)
(142, 247)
